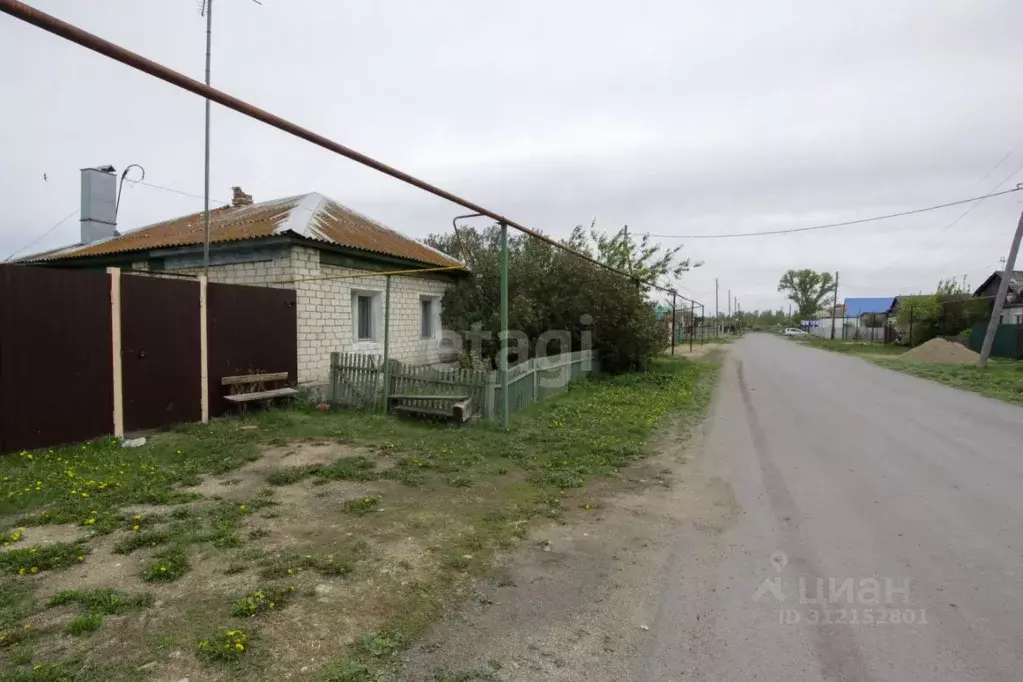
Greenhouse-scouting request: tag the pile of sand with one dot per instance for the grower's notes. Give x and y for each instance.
(940, 350)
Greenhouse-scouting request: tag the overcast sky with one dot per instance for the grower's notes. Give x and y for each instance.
(673, 117)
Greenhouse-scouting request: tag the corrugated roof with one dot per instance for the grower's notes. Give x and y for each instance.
(854, 307)
(313, 216)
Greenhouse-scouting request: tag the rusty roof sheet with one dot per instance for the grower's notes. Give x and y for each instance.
(313, 216)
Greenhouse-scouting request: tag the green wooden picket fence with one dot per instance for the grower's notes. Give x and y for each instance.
(357, 380)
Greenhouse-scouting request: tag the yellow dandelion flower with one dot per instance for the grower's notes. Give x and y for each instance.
(290, 571)
(239, 646)
(35, 569)
(135, 528)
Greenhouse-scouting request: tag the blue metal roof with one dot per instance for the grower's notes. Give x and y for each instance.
(854, 307)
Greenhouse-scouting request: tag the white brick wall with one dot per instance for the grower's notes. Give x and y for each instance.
(325, 317)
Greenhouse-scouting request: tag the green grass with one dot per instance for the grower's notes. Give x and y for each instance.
(16, 601)
(1003, 379)
(85, 624)
(167, 565)
(32, 560)
(223, 646)
(95, 479)
(269, 598)
(853, 347)
(105, 601)
(594, 428)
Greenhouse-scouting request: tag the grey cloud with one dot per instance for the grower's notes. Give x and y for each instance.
(672, 117)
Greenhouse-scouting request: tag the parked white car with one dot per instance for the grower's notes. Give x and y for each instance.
(792, 331)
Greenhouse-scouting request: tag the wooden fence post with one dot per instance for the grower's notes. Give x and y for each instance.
(335, 362)
(115, 338)
(488, 395)
(536, 380)
(204, 378)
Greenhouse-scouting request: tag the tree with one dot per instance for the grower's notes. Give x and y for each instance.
(949, 311)
(808, 289)
(550, 289)
(644, 259)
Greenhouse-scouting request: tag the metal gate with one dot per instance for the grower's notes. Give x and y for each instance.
(56, 367)
(160, 352)
(251, 330)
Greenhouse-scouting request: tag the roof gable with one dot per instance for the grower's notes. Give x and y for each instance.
(310, 216)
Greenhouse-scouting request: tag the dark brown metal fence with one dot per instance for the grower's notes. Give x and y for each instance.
(251, 330)
(160, 352)
(56, 350)
(56, 374)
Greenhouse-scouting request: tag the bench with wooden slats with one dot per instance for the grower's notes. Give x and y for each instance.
(455, 407)
(254, 380)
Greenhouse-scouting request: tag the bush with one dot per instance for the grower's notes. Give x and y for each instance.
(551, 290)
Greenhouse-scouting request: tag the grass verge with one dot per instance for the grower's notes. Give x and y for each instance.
(867, 348)
(423, 507)
(1002, 380)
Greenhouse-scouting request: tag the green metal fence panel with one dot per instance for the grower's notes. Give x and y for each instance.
(1008, 340)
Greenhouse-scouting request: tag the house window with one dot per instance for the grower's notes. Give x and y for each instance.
(367, 312)
(426, 318)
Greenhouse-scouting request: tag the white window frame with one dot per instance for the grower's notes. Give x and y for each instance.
(434, 300)
(376, 312)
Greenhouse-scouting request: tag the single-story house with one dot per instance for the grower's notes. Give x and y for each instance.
(1012, 311)
(867, 312)
(301, 242)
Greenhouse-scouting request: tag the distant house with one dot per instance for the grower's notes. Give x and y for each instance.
(868, 312)
(1012, 311)
(303, 242)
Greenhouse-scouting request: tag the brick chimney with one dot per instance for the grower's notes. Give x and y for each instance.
(240, 198)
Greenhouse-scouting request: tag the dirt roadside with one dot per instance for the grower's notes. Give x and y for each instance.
(578, 602)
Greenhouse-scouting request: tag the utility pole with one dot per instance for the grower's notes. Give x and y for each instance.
(674, 315)
(692, 322)
(208, 6)
(717, 322)
(834, 307)
(1003, 288)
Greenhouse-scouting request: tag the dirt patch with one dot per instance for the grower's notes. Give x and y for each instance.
(699, 350)
(46, 535)
(940, 350)
(246, 482)
(572, 603)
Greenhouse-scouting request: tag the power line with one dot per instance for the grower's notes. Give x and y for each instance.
(43, 235)
(860, 221)
(928, 245)
(92, 42)
(174, 191)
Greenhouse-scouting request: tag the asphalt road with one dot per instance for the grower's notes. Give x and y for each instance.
(905, 495)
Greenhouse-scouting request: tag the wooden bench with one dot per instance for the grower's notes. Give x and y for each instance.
(253, 381)
(455, 407)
